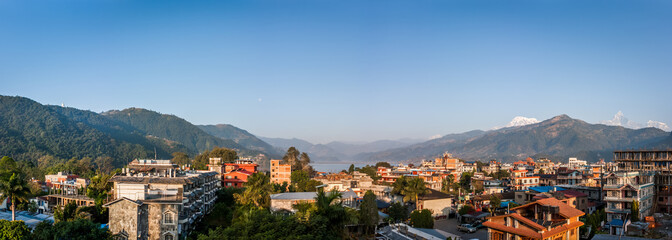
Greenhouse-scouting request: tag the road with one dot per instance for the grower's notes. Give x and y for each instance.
(450, 225)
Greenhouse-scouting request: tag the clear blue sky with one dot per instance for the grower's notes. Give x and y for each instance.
(344, 70)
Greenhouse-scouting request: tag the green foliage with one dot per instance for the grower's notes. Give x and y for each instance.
(495, 202)
(222, 212)
(398, 212)
(414, 188)
(368, 211)
(292, 158)
(634, 211)
(257, 191)
(465, 180)
(279, 188)
(66, 213)
(227, 155)
(501, 174)
(14, 230)
(80, 229)
(466, 209)
(301, 182)
(99, 188)
(180, 158)
(399, 185)
(97, 213)
(383, 164)
(371, 171)
(351, 169)
(422, 219)
(16, 189)
(261, 224)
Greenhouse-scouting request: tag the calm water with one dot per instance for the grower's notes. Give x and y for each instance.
(333, 167)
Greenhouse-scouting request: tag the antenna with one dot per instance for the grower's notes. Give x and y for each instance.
(154, 153)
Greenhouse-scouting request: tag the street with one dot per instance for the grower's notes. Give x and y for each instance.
(450, 226)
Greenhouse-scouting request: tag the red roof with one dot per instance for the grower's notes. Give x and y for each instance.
(573, 193)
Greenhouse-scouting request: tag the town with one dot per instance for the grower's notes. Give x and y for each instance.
(444, 198)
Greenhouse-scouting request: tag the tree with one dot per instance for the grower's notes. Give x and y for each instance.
(99, 187)
(257, 191)
(304, 160)
(414, 188)
(398, 212)
(80, 229)
(16, 189)
(465, 180)
(351, 169)
(383, 164)
(104, 164)
(14, 230)
(422, 219)
(448, 183)
(292, 158)
(495, 202)
(634, 211)
(466, 209)
(399, 185)
(180, 158)
(329, 212)
(227, 155)
(368, 211)
(66, 213)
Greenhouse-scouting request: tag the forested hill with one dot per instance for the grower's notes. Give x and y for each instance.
(172, 128)
(29, 130)
(241, 137)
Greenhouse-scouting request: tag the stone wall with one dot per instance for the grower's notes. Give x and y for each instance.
(124, 219)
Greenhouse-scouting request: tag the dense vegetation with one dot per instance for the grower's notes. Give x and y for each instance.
(241, 137)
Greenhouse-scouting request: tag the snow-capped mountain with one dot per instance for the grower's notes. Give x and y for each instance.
(620, 120)
(519, 121)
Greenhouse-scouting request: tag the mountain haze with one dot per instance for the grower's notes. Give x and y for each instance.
(241, 137)
(559, 137)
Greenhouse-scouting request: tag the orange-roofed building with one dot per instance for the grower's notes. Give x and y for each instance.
(235, 178)
(543, 220)
(280, 173)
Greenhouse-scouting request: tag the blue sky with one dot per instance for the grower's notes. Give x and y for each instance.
(344, 70)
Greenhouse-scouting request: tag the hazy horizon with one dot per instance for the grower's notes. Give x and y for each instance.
(347, 71)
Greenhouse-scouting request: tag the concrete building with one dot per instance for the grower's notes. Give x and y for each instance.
(233, 174)
(622, 188)
(437, 202)
(543, 219)
(154, 200)
(280, 172)
(574, 163)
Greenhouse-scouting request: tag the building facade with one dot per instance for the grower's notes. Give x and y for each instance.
(280, 172)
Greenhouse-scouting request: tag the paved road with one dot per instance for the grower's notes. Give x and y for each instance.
(450, 225)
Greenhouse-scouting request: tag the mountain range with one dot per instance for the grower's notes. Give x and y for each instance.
(29, 130)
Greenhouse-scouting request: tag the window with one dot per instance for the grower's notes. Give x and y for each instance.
(168, 218)
(168, 237)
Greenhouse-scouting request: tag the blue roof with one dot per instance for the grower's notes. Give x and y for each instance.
(616, 222)
(544, 189)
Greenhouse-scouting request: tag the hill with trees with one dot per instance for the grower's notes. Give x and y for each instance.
(240, 136)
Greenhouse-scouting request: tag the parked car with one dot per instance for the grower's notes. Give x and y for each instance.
(467, 228)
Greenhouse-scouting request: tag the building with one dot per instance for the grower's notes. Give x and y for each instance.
(42, 204)
(280, 173)
(656, 161)
(154, 200)
(233, 174)
(543, 219)
(286, 201)
(574, 163)
(437, 202)
(622, 188)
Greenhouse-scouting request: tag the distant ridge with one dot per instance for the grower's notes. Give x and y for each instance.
(559, 137)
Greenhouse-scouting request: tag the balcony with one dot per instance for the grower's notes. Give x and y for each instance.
(617, 210)
(620, 199)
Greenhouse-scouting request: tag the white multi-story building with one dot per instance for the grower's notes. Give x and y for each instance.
(157, 201)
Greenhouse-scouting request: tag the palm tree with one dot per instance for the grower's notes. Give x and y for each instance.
(16, 189)
(329, 207)
(399, 185)
(257, 191)
(414, 188)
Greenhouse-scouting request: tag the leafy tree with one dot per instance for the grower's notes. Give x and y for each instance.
(399, 185)
(16, 189)
(465, 180)
(279, 188)
(104, 164)
(80, 229)
(99, 187)
(304, 160)
(634, 211)
(14, 230)
(422, 219)
(329, 213)
(66, 213)
(257, 191)
(495, 202)
(301, 182)
(383, 164)
(227, 155)
(368, 211)
(371, 171)
(466, 209)
(351, 169)
(261, 224)
(398, 212)
(292, 158)
(414, 188)
(180, 158)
